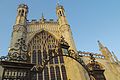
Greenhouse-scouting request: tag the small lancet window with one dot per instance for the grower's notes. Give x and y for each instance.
(19, 12)
(22, 13)
(60, 13)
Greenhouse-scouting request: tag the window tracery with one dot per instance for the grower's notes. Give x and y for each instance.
(43, 45)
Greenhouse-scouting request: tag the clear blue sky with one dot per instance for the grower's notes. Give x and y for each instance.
(90, 20)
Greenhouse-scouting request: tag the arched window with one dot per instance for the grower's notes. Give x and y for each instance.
(58, 73)
(56, 58)
(64, 75)
(22, 13)
(50, 55)
(39, 57)
(40, 76)
(33, 74)
(44, 54)
(46, 74)
(60, 13)
(19, 12)
(61, 57)
(52, 73)
(34, 57)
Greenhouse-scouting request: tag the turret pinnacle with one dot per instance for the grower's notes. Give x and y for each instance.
(100, 45)
(115, 57)
(58, 2)
(64, 27)
(105, 52)
(42, 18)
(21, 14)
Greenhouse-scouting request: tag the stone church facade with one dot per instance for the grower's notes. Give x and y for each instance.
(42, 39)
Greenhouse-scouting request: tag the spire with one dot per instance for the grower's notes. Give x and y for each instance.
(58, 2)
(42, 18)
(100, 45)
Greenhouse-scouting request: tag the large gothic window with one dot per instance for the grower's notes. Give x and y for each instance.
(43, 46)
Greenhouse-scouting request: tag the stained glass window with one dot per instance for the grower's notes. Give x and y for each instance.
(46, 74)
(64, 75)
(39, 57)
(50, 55)
(58, 73)
(44, 54)
(56, 58)
(34, 57)
(44, 43)
(40, 76)
(52, 73)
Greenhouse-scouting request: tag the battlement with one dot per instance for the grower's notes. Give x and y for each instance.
(41, 21)
(87, 54)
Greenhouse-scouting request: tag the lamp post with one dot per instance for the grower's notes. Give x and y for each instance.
(64, 46)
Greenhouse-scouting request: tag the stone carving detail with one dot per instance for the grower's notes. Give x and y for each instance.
(19, 28)
(64, 28)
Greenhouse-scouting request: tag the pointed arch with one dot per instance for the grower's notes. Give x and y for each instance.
(40, 31)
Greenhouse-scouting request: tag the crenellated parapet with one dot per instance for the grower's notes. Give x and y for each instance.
(87, 54)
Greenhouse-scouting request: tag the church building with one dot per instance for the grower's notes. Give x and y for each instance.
(42, 39)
